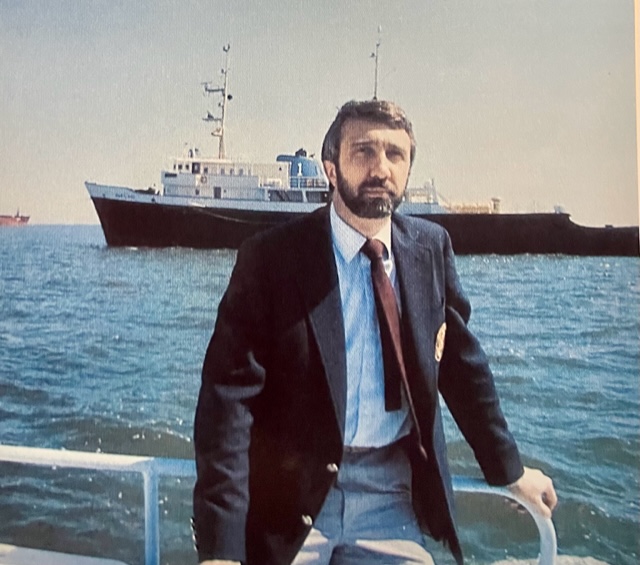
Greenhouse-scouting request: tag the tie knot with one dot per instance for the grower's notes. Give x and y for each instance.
(373, 248)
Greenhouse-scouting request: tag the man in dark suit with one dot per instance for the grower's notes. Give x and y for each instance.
(318, 431)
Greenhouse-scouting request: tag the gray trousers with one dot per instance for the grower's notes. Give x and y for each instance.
(368, 517)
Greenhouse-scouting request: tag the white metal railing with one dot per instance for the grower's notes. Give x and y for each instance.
(152, 468)
(546, 530)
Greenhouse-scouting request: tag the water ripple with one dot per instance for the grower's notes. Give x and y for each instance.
(101, 349)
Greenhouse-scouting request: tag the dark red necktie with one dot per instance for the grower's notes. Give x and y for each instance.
(389, 322)
(395, 374)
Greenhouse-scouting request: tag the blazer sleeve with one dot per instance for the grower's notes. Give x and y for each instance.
(232, 378)
(468, 388)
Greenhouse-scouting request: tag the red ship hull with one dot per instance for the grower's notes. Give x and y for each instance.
(14, 221)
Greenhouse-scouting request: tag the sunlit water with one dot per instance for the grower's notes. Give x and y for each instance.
(101, 349)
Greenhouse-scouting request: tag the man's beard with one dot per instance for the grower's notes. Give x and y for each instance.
(364, 205)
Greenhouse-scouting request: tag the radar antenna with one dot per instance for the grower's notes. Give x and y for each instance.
(224, 91)
(375, 55)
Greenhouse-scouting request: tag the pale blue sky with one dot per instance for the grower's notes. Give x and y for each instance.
(532, 101)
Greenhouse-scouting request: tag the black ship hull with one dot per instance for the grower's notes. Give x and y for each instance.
(135, 224)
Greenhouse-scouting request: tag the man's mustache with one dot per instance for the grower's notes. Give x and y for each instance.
(376, 184)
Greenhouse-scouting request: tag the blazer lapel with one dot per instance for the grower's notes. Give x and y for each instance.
(318, 281)
(414, 262)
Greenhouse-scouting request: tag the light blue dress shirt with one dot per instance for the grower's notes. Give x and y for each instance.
(367, 423)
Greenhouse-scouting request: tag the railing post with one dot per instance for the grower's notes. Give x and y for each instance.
(151, 517)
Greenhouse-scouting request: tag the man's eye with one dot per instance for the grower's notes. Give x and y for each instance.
(395, 155)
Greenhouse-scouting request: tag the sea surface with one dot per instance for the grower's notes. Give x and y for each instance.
(101, 350)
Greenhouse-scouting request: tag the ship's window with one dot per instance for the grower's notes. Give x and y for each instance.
(197, 192)
(180, 167)
(205, 170)
(174, 166)
(231, 171)
(217, 192)
(222, 171)
(285, 196)
(241, 172)
(186, 166)
(317, 197)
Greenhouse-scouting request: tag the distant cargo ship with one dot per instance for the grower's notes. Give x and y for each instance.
(14, 221)
(219, 202)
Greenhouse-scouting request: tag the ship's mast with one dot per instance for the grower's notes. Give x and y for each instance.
(219, 131)
(375, 56)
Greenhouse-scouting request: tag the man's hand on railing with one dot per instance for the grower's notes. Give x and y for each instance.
(537, 489)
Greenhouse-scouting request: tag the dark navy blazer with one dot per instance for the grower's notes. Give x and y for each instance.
(269, 424)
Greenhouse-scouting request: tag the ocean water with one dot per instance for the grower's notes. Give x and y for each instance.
(101, 349)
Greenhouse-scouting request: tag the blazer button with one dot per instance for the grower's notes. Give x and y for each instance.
(307, 520)
(332, 468)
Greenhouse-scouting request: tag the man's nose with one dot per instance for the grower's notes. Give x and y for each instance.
(380, 168)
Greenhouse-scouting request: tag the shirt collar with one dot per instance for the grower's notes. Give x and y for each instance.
(349, 241)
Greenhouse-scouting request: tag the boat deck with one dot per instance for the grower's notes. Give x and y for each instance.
(13, 555)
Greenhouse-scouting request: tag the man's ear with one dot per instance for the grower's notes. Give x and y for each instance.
(330, 171)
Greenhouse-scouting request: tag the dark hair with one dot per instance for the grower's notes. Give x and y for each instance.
(379, 111)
